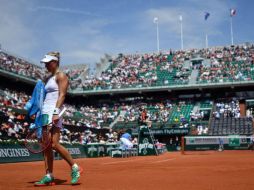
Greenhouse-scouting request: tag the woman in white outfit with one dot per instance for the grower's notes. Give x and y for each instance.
(56, 89)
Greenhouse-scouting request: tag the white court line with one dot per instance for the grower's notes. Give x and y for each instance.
(122, 161)
(163, 160)
(118, 162)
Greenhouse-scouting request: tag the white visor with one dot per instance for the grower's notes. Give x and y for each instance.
(48, 58)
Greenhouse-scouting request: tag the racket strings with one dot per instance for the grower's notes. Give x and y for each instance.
(38, 143)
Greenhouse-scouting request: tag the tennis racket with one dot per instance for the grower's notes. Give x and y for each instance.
(38, 139)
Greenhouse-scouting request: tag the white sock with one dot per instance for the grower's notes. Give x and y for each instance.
(49, 175)
(75, 166)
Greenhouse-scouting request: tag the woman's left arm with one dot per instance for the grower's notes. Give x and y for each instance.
(62, 81)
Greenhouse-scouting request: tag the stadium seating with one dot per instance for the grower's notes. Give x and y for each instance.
(206, 105)
(231, 126)
(222, 64)
(180, 112)
(227, 64)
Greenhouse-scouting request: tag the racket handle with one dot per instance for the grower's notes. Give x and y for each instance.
(62, 112)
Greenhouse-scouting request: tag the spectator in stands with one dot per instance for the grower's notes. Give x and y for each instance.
(4, 131)
(144, 119)
(110, 136)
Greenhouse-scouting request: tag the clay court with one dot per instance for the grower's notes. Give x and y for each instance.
(196, 171)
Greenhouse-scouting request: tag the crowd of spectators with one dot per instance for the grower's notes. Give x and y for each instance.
(26, 69)
(198, 115)
(234, 63)
(88, 137)
(201, 129)
(227, 64)
(75, 75)
(227, 109)
(93, 116)
(141, 70)
(15, 126)
(89, 116)
(166, 113)
(13, 98)
(20, 66)
(125, 71)
(104, 114)
(156, 112)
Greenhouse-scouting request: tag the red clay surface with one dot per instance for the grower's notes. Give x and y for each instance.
(228, 170)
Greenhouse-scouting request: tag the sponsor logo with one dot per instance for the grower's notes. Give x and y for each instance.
(74, 151)
(216, 141)
(168, 131)
(14, 152)
(144, 146)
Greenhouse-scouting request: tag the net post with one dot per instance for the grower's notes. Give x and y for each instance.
(182, 145)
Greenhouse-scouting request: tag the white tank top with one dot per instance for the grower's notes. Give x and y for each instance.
(52, 94)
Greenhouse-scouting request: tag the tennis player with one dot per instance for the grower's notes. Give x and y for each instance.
(56, 89)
